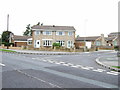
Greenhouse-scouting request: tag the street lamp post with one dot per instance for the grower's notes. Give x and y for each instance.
(7, 31)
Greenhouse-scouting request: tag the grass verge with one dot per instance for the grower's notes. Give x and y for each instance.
(7, 50)
(116, 67)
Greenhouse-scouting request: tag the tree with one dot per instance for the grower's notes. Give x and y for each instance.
(28, 31)
(38, 23)
(5, 38)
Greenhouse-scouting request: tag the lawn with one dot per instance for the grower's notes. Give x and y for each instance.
(116, 66)
(7, 50)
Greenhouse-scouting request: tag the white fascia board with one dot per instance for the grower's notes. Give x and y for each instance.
(47, 39)
(114, 38)
(38, 29)
(20, 41)
(65, 30)
(52, 30)
(29, 39)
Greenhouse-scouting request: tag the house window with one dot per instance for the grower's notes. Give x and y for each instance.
(115, 43)
(60, 33)
(47, 33)
(47, 43)
(37, 32)
(98, 43)
(29, 42)
(70, 33)
(62, 43)
(69, 44)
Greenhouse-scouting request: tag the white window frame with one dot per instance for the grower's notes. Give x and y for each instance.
(37, 32)
(49, 33)
(69, 44)
(47, 42)
(62, 43)
(58, 33)
(70, 33)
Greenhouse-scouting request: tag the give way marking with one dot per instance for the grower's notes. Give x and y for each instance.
(2, 64)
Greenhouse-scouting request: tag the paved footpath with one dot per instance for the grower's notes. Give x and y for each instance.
(109, 62)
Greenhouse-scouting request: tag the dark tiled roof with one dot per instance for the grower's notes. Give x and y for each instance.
(109, 38)
(115, 33)
(21, 38)
(87, 38)
(53, 27)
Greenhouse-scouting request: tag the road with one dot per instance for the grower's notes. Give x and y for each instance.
(56, 71)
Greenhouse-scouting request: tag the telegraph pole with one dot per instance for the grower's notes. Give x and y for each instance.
(85, 22)
(7, 31)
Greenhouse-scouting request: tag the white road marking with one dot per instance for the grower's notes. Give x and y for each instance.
(2, 64)
(99, 70)
(65, 64)
(75, 66)
(89, 67)
(78, 66)
(33, 58)
(62, 62)
(45, 60)
(85, 68)
(113, 73)
(57, 63)
(70, 64)
(51, 61)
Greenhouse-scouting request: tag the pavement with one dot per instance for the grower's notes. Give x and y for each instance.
(43, 52)
(109, 62)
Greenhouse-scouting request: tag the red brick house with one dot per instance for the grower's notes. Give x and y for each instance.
(20, 40)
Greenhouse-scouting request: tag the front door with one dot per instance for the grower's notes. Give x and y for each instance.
(37, 43)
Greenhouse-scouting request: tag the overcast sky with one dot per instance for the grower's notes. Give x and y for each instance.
(89, 17)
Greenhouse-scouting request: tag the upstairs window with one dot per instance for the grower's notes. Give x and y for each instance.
(60, 33)
(47, 33)
(70, 33)
(37, 32)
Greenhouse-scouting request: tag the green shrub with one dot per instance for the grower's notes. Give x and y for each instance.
(116, 47)
(56, 45)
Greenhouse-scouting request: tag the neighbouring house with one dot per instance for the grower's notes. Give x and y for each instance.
(45, 36)
(80, 42)
(20, 40)
(90, 41)
(114, 34)
(113, 39)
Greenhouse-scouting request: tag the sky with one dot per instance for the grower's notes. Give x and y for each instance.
(89, 17)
